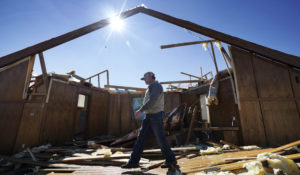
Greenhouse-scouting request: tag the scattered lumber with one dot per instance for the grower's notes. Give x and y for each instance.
(91, 158)
(72, 158)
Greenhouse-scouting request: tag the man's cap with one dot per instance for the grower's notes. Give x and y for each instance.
(148, 74)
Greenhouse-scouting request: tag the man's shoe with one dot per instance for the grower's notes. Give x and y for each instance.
(130, 165)
(168, 165)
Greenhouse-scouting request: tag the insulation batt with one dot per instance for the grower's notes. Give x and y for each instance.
(226, 147)
(218, 44)
(275, 161)
(205, 46)
(118, 153)
(254, 168)
(211, 150)
(106, 152)
(250, 147)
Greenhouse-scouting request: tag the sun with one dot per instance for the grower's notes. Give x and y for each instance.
(116, 23)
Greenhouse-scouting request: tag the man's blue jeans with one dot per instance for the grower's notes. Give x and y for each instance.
(152, 124)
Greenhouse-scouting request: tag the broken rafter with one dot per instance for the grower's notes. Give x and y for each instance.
(44, 70)
(98, 76)
(45, 45)
(214, 57)
(201, 78)
(185, 44)
(125, 87)
(182, 81)
(235, 41)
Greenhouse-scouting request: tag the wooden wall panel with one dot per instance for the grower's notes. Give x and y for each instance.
(126, 113)
(97, 114)
(295, 79)
(252, 123)
(222, 114)
(13, 82)
(252, 126)
(244, 74)
(11, 113)
(114, 119)
(172, 100)
(29, 129)
(274, 110)
(189, 99)
(282, 122)
(279, 108)
(58, 124)
(272, 80)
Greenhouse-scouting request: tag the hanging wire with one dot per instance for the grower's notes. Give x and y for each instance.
(193, 34)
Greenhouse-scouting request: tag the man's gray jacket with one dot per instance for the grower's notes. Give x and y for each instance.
(154, 99)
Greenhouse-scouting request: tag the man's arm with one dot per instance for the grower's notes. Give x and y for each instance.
(155, 90)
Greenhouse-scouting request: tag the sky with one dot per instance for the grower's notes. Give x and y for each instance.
(135, 49)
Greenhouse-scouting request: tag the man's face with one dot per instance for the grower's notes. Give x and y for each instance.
(148, 80)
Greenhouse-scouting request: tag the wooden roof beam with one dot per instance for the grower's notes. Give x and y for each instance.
(185, 44)
(252, 47)
(235, 41)
(48, 44)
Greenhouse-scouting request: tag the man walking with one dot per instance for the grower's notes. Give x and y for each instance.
(152, 124)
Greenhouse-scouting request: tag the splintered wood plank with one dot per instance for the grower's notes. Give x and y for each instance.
(239, 165)
(201, 163)
(89, 158)
(286, 146)
(191, 124)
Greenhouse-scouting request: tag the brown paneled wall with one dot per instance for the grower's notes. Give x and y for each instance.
(120, 116)
(55, 122)
(120, 113)
(30, 122)
(59, 114)
(61, 111)
(30, 125)
(268, 94)
(12, 82)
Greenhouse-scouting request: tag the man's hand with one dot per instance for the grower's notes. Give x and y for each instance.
(137, 114)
